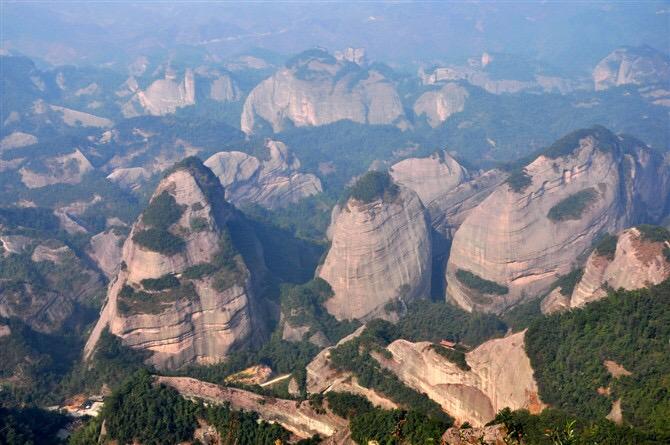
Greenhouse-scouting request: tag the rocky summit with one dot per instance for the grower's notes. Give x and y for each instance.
(533, 228)
(635, 258)
(183, 293)
(380, 253)
(315, 88)
(272, 183)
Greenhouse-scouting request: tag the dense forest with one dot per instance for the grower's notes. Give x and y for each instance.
(632, 328)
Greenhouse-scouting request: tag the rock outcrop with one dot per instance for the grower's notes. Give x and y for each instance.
(632, 66)
(183, 292)
(272, 183)
(533, 228)
(438, 105)
(445, 187)
(430, 177)
(68, 168)
(501, 74)
(52, 283)
(322, 377)
(300, 418)
(500, 376)
(380, 254)
(17, 139)
(162, 97)
(317, 89)
(640, 257)
(105, 249)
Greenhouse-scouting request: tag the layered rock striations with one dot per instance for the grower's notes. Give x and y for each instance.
(533, 228)
(445, 187)
(637, 257)
(315, 88)
(500, 376)
(380, 252)
(183, 292)
(272, 183)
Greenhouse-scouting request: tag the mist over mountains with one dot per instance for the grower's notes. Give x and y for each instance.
(250, 223)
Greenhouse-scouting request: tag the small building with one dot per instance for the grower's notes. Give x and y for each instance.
(448, 344)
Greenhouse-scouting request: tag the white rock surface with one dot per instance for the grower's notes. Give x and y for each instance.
(311, 93)
(632, 66)
(203, 328)
(272, 183)
(162, 97)
(509, 239)
(105, 249)
(438, 105)
(129, 178)
(500, 376)
(637, 263)
(17, 139)
(380, 253)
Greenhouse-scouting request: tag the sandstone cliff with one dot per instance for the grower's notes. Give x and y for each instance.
(533, 228)
(500, 376)
(163, 96)
(380, 253)
(317, 89)
(438, 105)
(183, 292)
(632, 66)
(636, 258)
(445, 187)
(271, 183)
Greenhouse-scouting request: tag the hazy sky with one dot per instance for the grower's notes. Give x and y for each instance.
(567, 34)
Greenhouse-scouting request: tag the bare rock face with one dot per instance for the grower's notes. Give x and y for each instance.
(533, 228)
(105, 249)
(162, 97)
(500, 376)
(224, 89)
(637, 262)
(429, 177)
(353, 55)
(438, 105)
(632, 66)
(380, 253)
(129, 178)
(322, 377)
(449, 210)
(183, 292)
(317, 89)
(17, 139)
(67, 168)
(271, 183)
(445, 187)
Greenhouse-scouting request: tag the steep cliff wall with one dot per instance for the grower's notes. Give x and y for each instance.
(534, 227)
(183, 292)
(271, 183)
(633, 261)
(500, 376)
(380, 253)
(317, 89)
